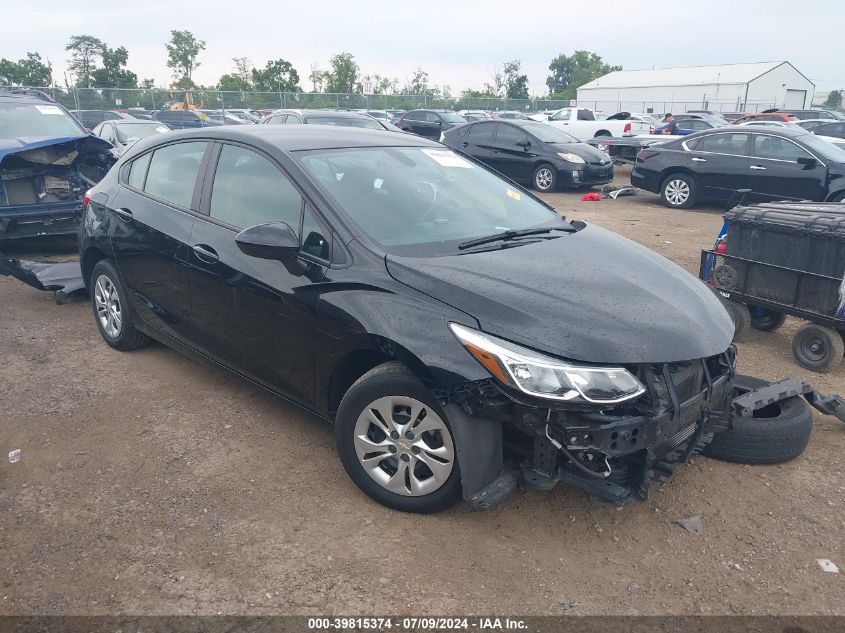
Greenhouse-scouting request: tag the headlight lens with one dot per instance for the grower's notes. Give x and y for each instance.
(571, 158)
(547, 377)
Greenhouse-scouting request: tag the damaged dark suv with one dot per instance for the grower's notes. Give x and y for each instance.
(455, 329)
(47, 162)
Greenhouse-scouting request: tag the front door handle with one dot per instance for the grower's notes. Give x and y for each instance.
(758, 168)
(124, 214)
(464, 144)
(205, 253)
(699, 160)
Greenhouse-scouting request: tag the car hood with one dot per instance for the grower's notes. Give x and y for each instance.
(591, 296)
(83, 143)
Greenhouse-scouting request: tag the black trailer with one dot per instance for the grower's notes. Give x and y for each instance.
(786, 258)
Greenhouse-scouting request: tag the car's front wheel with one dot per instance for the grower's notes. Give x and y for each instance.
(395, 442)
(111, 311)
(545, 178)
(679, 191)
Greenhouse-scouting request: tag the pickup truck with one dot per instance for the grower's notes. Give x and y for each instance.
(582, 124)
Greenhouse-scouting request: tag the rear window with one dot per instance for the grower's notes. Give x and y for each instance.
(138, 171)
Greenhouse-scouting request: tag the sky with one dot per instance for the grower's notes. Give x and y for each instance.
(459, 44)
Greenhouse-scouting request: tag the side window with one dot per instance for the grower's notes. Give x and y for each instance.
(138, 171)
(293, 120)
(508, 135)
(277, 119)
(248, 189)
(482, 133)
(432, 117)
(563, 115)
(414, 116)
(314, 241)
(173, 172)
(777, 148)
(724, 144)
(586, 115)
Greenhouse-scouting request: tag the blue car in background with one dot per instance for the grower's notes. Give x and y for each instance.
(691, 123)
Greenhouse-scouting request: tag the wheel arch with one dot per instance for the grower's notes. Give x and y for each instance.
(89, 259)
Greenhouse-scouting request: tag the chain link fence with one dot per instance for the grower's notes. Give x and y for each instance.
(76, 99)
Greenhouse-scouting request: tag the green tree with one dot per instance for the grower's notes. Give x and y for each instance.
(834, 99)
(496, 85)
(278, 75)
(26, 72)
(182, 52)
(381, 85)
(570, 72)
(113, 74)
(84, 51)
(343, 75)
(516, 85)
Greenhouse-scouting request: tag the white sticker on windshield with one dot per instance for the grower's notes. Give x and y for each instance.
(447, 158)
(162, 129)
(48, 109)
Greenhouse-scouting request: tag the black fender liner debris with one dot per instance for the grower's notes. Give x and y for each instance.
(65, 278)
(751, 401)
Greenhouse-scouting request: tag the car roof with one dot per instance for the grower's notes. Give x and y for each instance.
(748, 129)
(292, 138)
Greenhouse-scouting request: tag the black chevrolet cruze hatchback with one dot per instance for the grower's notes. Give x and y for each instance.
(442, 318)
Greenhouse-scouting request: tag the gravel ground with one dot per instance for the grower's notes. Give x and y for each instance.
(150, 484)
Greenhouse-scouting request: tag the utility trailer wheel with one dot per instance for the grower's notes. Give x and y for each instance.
(766, 320)
(739, 315)
(775, 434)
(818, 347)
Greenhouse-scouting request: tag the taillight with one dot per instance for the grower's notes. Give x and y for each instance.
(722, 246)
(652, 130)
(627, 128)
(86, 198)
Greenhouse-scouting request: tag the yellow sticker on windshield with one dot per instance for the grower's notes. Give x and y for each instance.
(514, 194)
(447, 158)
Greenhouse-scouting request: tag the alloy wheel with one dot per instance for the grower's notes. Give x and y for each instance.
(544, 178)
(677, 192)
(404, 446)
(108, 306)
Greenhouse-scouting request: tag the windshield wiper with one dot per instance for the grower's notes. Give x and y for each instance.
(504, 235)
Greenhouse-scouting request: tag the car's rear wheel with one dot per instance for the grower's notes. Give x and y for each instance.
(679, 191)
(111, 310)
(545, 178)
(395, 442)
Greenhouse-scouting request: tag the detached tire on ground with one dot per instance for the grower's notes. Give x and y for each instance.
(776, 433)
(395, 442)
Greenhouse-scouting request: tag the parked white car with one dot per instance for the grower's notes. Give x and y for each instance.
(582, 124)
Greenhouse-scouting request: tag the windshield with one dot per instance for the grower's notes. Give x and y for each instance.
(132, 132)
(422, 201)
(827, 149)
(449, 117)
(366, 122)
(29, 119)
(549, 133)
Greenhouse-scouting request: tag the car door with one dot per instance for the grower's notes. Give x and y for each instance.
(775, 171)
(511, 154)
(478, 141)
(720, 163)
(431, 125)
(256, 314)
(151, 229)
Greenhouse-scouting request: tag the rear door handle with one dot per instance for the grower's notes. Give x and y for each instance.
(758, 168)
(205, 253)
(699, 160)
(124, 214)
(464, 144)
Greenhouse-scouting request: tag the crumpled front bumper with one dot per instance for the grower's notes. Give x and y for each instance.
(37, 220)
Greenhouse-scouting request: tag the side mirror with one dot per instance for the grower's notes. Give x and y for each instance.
(807, 161)
(274, 240)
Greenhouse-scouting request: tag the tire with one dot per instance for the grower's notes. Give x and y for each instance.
(679, 191)
(545, 178)
(739, 315)
(818, 347)
(779, 433)
(396, 473)
(111, 310)
(766, 320)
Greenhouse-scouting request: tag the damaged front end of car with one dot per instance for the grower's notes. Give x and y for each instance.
(42, 184)
(613, 431)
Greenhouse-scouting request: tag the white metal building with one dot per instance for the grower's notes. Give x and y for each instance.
(726, 88)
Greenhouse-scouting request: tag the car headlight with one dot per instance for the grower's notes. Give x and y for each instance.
(546, 377)
(571, 158)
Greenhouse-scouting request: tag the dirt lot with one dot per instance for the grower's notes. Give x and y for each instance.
(152, 484)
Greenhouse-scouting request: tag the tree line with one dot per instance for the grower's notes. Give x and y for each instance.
(92, 63)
